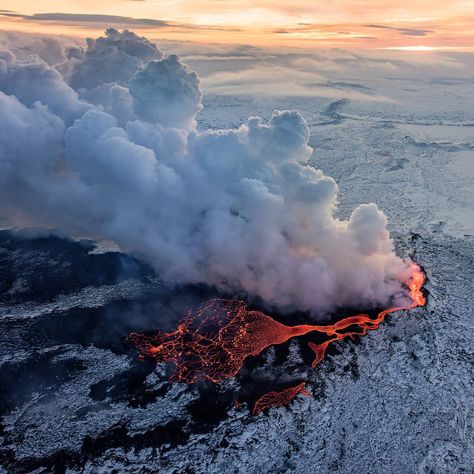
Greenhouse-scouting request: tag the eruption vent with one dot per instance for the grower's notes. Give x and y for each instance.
(213, 343)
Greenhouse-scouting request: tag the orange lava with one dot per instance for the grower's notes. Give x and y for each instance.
(364, 322)
(213, 343)
(279, 399)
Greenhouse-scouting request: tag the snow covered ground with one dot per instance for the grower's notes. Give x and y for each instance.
(400, 399)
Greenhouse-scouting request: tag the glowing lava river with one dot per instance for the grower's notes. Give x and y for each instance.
(213, 343)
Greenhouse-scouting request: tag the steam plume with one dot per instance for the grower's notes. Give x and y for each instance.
(105, 145)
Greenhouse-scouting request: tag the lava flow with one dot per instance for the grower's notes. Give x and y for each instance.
(279, 399)
(213, 343)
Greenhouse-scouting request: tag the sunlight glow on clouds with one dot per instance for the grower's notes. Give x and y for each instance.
(338, 23)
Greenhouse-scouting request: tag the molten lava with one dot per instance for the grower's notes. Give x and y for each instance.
(279, 399)
(213, 343)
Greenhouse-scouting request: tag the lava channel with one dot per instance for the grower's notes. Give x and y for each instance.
(279, 399)
(213, 343)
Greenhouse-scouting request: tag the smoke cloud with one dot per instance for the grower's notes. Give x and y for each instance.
(105, 145)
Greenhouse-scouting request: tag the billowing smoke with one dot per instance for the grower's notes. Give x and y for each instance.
(105, 145)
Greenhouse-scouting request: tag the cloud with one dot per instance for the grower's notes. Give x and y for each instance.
(88, 19)
(31, 141)
(80, 18)
(114, 57)
(38, 82)
(166, 92)
(50, 49)
(402, 31)
(113, 99)
(297, 79)
(238, 209)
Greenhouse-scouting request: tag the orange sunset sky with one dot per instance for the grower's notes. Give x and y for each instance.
(416, 24)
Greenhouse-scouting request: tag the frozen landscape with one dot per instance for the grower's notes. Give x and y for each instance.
(390, 128)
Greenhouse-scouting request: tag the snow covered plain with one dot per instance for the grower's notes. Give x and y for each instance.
(74, 396)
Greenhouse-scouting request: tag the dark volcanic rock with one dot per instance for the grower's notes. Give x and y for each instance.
(74, 395)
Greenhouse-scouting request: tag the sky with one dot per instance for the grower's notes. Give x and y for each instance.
(369, 24)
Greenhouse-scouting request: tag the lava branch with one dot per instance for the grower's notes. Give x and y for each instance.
(213, 343)
(279, 399)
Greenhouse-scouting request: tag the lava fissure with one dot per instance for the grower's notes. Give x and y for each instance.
(213, 343)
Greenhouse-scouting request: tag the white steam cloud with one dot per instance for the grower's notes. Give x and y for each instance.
(105, 145)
